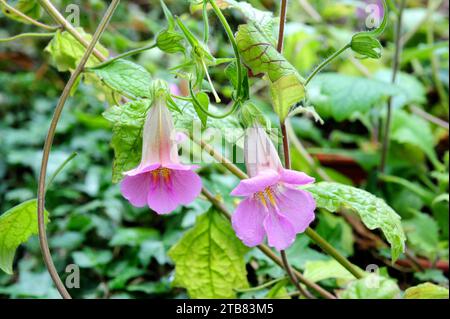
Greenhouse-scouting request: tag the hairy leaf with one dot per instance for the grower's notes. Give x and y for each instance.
(16, 227)
(426, 291)
(371, 287)
(374, 212)
(260, 56)
(126, 78)
(66, 52)
(209, 259)
(326, 269)
(422, 232)
(128, 123)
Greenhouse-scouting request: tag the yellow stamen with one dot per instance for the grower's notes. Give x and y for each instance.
(265, 195)
(161, 172)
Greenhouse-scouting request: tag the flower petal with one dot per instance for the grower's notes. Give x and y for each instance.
(247, 222)
(135, 189)
(256, 184)
(297, 206)
(295, 178)
(142, 169)
(186, 186)
(280, 232)
(160, 198)
(180, 167)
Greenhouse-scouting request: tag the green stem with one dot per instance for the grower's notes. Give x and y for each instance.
(263, 286)
(325, 63)
(60, 168)
(205, 22)
(27, 35)
(230, 35)
(124, 55)
(27, 18)
(334, 253)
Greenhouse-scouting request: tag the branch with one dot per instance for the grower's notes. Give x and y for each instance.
(48, 145)
(27, 18)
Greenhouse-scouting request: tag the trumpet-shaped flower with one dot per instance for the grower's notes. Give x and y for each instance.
(273, 205)
(160, 181)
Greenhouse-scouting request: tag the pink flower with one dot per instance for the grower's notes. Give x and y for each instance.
(273, 205)
(160, 181)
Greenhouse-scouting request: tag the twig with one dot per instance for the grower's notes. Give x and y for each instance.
(58, 17)
(27, 18)
(48, 145)
(395, 69)
(125, 55)
(430, 118)
(283, 10)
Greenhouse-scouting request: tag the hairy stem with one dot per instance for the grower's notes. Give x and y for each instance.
(27, 18)
(48, 145)
(125, 55)
(325, 63)
(58, 17)
(28, 35)
(266, 250)
(395, 69)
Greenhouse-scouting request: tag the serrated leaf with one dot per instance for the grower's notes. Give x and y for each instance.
(371, 287)
(30, 8)
(126, 78)
(343, 97)
(374, 211)
(17, 225)
(426, 291)
(209, 259)
(66, 52)
(260, 56)
(128, 122)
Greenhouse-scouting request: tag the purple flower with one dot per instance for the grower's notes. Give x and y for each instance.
(273, 206)
(160, 181)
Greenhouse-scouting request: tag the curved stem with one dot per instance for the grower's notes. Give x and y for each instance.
(395, 69)
(319, 240)
(27, 18)
(288, 269)
(230, 35)
(60, 168)
(325, 63)
(124, 55)
(27, 35)
(58, 17)
(197, 103)
(48, 145)
(266, 250)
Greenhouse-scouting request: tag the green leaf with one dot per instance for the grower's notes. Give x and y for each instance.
(17, 225)
(126, 78)
(170, 41)
(209, 259)
(343, 97)
(326, 269)
(260, 56)
(203, 99)
(426, 291)
(128, 122)
(30, 8)
(411, 129)
(371, 287)
(337, 232)
(374, 212)
(66, 52)
(279, 291)
(422, 232)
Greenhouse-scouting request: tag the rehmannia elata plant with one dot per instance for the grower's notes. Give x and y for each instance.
(165, 134)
